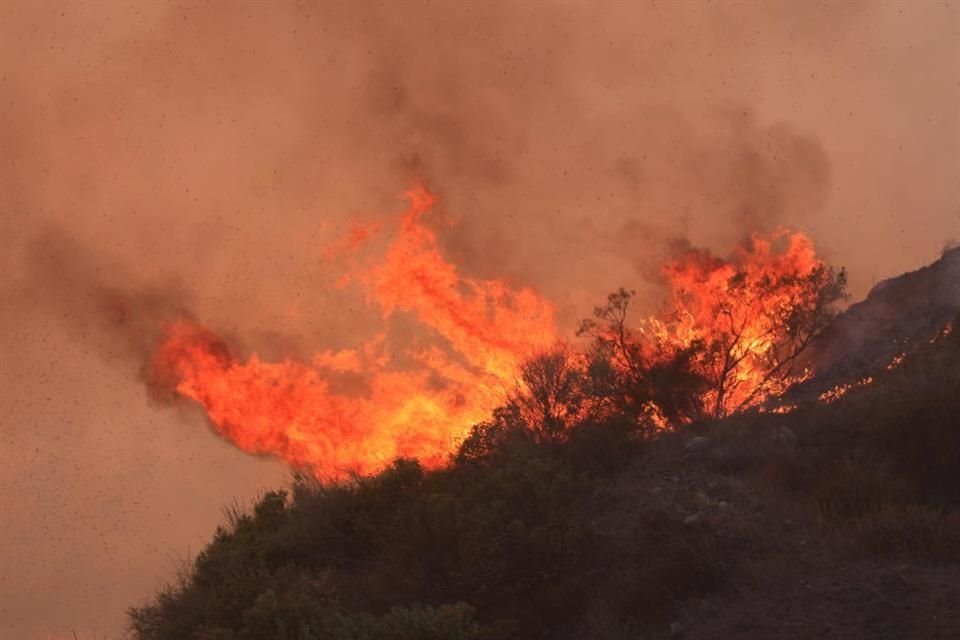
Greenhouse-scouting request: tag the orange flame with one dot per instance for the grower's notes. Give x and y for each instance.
(943, 333)
(745, 311)
(837, 392)
(421, 402)
(289, 409)
(896, 362)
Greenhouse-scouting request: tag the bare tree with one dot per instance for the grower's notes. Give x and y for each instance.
(553, 396)
(760, 329)
(654, 382)
(717, 350)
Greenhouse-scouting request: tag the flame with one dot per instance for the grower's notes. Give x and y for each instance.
(840, 390)
(896, 362)
(785, 408)
(421, 401)
(484, 329)
(741, 309)
(779, 408)
(837, 392)
(943, 333)
(654, 416)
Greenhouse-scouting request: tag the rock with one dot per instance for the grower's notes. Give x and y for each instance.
(676, 629)
(692, 519)
(656, 490)
(697, 443)
(723, 504)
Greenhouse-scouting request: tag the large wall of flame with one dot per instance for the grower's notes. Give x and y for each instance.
(161, 157)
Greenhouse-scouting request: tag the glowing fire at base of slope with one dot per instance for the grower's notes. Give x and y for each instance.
(484, 330)
(946, 331)
(897, 361)
(837, 392)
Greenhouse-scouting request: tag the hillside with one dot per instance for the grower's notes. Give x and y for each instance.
(837, 520)
(896, 314)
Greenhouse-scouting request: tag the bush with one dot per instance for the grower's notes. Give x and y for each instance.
(517, 532)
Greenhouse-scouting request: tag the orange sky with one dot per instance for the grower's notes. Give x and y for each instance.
(210, 151)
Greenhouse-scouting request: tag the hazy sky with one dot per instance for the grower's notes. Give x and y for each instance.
(200, 155)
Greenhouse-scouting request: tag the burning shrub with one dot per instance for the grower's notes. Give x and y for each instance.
(644, 379)
(731, 337)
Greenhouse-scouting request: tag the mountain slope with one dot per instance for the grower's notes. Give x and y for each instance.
(896, 314)
(837, 520)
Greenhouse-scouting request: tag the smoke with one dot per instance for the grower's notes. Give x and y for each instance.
(197, 158)
(237, 154)
(122, 320)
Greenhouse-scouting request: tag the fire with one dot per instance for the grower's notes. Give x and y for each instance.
(837, 392)
(740, 323)
(896, 362)
(751, 315)
(483, 330)
(943, 333)
(731, 337)
(785, 408)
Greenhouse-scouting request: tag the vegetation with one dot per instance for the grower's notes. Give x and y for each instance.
(724, 344)
(561, 518)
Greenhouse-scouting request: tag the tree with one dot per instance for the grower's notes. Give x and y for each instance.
(732, 336)
(754, 329)
(651, 381)
(553, 396)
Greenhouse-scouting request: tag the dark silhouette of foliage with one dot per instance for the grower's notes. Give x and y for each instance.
(555, 395)
(517, 538)
(631, 379)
